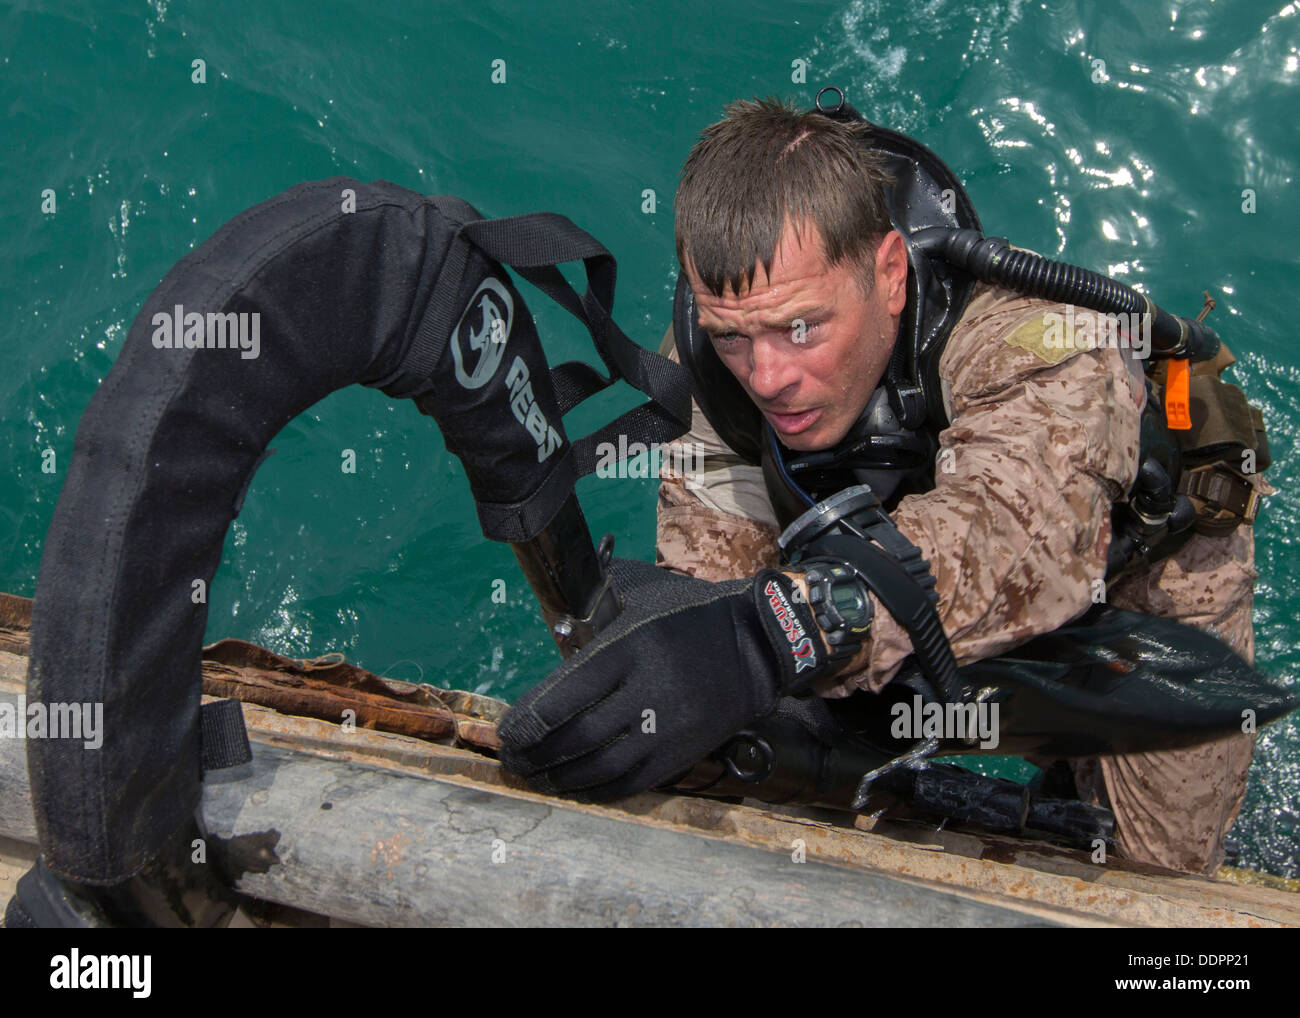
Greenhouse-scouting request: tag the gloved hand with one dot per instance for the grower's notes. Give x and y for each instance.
(684, 666)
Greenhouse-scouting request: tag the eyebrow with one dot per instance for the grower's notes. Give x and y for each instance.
(710, 324)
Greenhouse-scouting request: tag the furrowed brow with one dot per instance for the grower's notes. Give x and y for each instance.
(786, 323)
(711, 324)
(714, 325)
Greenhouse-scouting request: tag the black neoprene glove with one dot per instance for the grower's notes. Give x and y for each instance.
(685, 665)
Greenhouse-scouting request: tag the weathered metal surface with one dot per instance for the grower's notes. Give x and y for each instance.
(15, 623)
(378, 848)
(309, 698)
(1030, 872)
(1035, 880)
(328, 688)
(16, 818)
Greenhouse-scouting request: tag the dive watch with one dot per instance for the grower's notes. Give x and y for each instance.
(841, 603)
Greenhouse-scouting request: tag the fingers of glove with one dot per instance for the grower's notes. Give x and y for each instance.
(657, 746)
(660, 643)
(562, 695)
(604, 776)
(646, 701)
(533, 748)
(603, 771)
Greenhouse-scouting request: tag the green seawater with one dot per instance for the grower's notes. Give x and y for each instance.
(1131, 136)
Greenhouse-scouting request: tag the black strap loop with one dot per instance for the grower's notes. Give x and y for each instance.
(223, 738)
(442, 312)
(533, 245)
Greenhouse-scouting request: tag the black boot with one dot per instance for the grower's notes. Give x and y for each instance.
(171, 891)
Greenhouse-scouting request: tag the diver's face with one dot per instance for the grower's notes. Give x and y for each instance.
(803, 341)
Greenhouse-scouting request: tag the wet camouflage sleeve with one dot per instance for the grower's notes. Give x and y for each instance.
(714, 521)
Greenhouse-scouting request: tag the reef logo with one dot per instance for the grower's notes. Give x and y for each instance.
(484, 329)
(524, 406)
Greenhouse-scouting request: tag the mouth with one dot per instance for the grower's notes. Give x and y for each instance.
(793, 423)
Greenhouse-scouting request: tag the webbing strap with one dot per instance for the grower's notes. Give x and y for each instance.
(533, 245)
(222, 736)
(442, 313)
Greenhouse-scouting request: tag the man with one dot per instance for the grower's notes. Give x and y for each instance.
(800, 282)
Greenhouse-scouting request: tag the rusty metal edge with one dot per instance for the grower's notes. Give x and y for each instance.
(1109, 897)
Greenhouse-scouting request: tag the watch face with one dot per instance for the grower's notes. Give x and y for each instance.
(849, 601)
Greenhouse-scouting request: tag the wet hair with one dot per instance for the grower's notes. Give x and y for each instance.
(765, 163)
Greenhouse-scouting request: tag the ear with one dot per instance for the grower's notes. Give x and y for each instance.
(891, 272)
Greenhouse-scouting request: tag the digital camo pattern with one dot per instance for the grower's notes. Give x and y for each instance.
(1043, 438)
(1177, 806)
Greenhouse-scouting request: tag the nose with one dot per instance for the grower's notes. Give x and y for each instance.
(773, 372)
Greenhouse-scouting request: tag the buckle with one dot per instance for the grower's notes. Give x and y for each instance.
(1252, 506)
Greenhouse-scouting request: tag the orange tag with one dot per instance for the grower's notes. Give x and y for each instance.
(1177, 396)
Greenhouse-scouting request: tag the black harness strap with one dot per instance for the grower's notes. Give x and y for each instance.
(533, 245)
(442, 312)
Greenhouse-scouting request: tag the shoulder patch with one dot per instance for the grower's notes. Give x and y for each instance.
(1049, 337)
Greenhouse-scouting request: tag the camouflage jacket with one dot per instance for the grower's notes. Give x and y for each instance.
(1043, 438)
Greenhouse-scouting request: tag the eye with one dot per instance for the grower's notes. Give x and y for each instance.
(726, 339)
